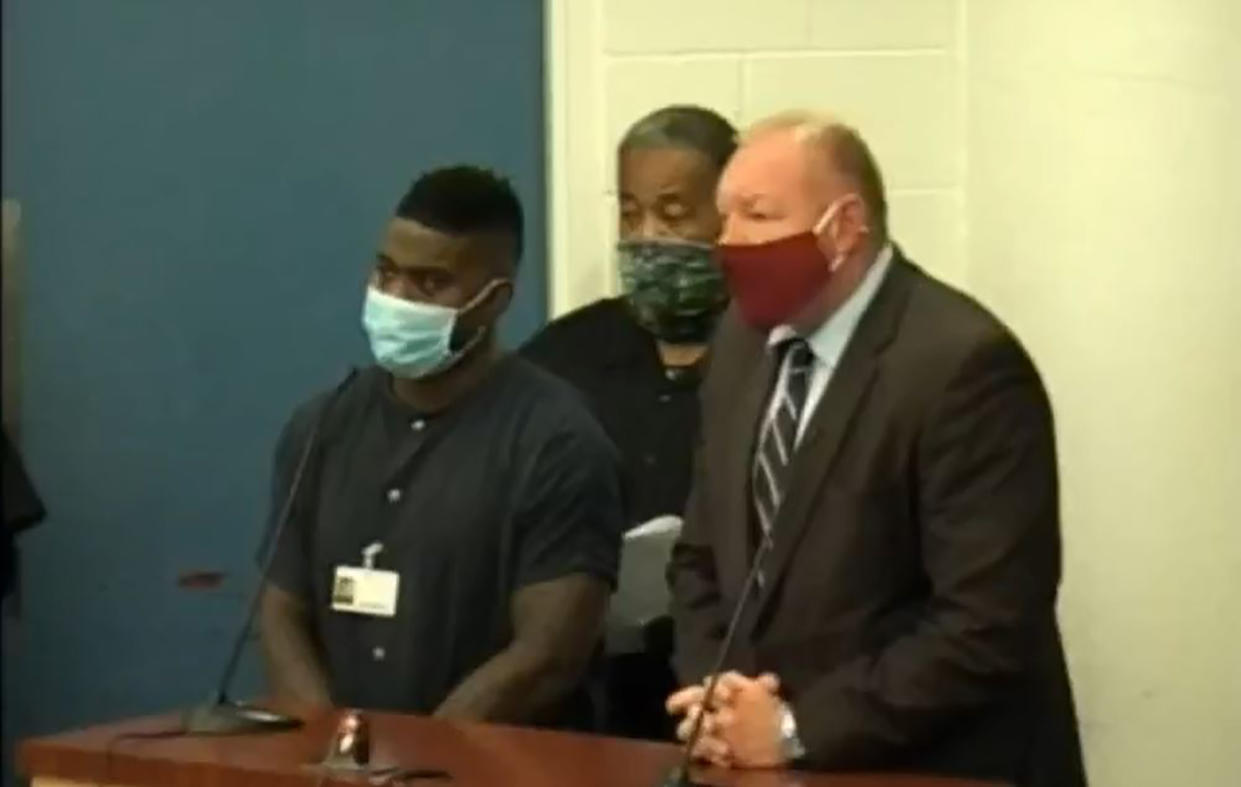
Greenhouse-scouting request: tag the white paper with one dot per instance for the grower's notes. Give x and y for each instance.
(654, 528)
(642, 593)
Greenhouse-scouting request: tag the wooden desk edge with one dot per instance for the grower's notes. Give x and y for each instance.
(60, 761)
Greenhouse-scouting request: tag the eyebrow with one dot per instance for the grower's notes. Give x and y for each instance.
(666, 191)
(418, 267)
(743, 200)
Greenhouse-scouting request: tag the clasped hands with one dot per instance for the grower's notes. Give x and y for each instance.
(742, 724)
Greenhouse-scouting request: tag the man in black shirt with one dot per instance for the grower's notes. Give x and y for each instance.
(638, 358)
(454, 539)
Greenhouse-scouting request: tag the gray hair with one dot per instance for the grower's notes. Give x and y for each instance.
(684, 126)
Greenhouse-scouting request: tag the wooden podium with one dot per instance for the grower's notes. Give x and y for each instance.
(473, 755)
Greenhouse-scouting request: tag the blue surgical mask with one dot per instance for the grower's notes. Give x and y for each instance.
(412, 339)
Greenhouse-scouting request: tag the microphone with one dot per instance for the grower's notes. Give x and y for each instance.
(680, 776)
(219, 715)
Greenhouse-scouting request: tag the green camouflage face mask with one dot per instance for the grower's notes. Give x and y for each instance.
(674, 288)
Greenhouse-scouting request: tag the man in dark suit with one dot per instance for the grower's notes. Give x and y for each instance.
(887, 443)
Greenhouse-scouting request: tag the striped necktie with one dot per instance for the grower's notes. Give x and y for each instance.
(778, 438)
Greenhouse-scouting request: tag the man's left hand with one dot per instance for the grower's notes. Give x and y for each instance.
(750, 721)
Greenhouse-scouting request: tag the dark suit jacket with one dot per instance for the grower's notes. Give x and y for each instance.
(910, 604)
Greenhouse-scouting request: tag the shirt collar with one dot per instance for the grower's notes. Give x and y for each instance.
(829, 339)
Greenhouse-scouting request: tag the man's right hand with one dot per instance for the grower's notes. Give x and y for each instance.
(688, 702)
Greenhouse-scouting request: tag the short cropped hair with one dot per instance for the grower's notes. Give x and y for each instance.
(845, 150)
(462, 200)
(684, 126)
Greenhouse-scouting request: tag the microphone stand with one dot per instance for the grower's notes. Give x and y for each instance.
(219, 715)
(680, 775)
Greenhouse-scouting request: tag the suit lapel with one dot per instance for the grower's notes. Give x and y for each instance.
(742, 426)
(830, 422)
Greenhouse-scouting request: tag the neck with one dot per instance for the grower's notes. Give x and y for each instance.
(436, 393)
(678, 355)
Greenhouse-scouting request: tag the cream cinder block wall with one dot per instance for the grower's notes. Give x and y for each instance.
(1077, 165)
(1104, 216)
(612, 61)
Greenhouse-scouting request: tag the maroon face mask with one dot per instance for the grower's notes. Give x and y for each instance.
(771, 282)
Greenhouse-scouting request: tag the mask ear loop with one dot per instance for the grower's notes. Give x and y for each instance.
(822, 223)
(481, 295)
(827, 216)
(472, 303)
(461, 352)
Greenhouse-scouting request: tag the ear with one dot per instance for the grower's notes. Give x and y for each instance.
(852, 225)
(503, 296)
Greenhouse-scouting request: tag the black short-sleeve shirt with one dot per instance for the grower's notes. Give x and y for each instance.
(650, 412)
(513, 485)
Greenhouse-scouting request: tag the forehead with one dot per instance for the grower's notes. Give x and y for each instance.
(775, 163)
(659, 169)
(409, 242)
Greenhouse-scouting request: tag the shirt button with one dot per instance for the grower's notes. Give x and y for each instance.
(379, 653)
(394, 495)
(665, 398)
(418, 425)
(649, 459)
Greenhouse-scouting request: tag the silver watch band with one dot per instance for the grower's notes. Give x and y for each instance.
(790, 743)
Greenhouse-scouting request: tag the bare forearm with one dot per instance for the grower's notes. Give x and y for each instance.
(295, 669)
(557, 624)
(518, 684)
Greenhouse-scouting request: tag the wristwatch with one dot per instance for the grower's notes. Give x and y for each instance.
(790, 745)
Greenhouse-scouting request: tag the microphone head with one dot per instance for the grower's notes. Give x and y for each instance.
(352, 742)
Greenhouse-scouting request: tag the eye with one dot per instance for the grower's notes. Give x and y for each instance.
(674, 210)
(629, 213)
(431, 282)
(758, 213)
(383, 272)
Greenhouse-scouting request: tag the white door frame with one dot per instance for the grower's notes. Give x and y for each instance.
(579, 217)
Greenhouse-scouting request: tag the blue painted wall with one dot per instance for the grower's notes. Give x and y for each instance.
(202, 186)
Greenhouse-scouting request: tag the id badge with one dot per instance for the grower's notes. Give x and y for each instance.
(365, 591)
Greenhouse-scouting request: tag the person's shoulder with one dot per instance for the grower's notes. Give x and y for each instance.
(330, 403)
(578, 331)
(934, 300)
(600, 314)
(734, 351)
(538, 391)
(948, 327)
(548, 406)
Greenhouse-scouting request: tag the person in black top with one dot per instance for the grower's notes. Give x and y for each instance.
(638, 358)
(454, 539)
